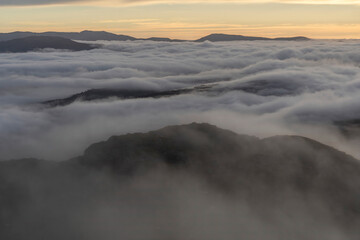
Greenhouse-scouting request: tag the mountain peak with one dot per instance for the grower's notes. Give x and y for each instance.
(207, 144)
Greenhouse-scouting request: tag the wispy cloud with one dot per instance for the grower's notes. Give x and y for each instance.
(144, 20)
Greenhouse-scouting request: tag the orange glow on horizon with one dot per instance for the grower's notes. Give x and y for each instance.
(192, 32)
(192, 20)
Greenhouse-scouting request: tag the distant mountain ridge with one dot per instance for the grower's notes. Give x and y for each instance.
(107, 36)
(106, 93)
(42, 42)
(82, 36)
(217, 37)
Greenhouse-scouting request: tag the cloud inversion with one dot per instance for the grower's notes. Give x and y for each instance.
(259, 88)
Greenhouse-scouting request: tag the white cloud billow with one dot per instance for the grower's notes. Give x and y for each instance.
(295, 88)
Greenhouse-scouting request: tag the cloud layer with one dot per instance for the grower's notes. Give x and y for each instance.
(259, 88)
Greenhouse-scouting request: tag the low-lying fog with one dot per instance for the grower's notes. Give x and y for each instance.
(261, 88)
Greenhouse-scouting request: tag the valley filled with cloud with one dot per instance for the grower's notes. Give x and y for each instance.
(179, 120)
(261, 88)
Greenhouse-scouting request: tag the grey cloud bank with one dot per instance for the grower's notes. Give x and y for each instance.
(258, 88)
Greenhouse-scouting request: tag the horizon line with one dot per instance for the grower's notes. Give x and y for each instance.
(180, 39)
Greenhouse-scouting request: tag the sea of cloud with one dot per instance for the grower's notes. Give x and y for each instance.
(258, 88)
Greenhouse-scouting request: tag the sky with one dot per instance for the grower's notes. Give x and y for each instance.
(186, 19)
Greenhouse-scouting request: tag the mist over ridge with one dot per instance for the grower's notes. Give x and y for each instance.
(193, 181)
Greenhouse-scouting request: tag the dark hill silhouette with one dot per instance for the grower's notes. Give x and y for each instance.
(102, 35)
(226, 37)
(104, 93)
(300, 38)
(41, 42)
(300, 160)
(159, 39)
(84, 35)
(258, 87)
(217, 37)
(90, 35)
(281, 179)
